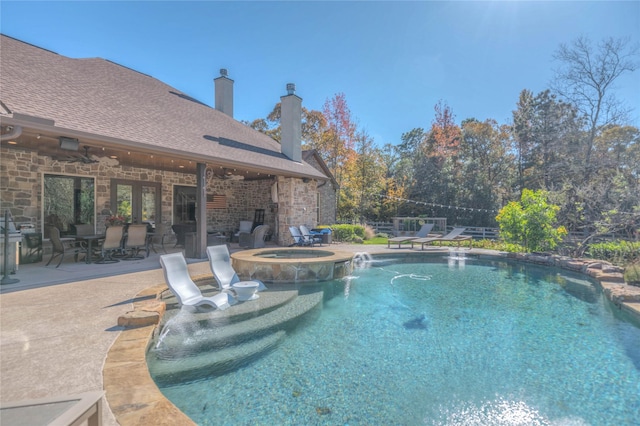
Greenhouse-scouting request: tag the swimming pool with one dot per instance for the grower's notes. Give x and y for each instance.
(475, 342)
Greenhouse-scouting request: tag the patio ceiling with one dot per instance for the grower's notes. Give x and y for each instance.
(91, 150)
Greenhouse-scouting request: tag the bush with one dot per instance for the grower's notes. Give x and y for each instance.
(347, 233)
(617, 252)
(530, 222)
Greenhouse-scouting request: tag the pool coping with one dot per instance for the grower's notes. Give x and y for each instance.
(134, 398)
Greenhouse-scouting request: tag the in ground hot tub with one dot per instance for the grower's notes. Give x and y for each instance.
(293, 265)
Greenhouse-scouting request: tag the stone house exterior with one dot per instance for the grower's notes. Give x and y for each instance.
(119, 141)
(327, 203)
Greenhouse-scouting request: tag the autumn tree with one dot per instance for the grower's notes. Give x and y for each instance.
(338, 142)
(437, 171)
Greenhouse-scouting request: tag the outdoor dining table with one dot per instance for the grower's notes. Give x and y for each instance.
(89, 239)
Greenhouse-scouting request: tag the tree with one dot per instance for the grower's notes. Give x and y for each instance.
(488, 168)
(586, 78)
(444, 138)
(437, 169)
(314, 125)
(547, 135)
(530, 222)
(523, 134)
(368, 176)
(338, 140)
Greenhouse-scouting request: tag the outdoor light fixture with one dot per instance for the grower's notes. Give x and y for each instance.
(69, 144)
(291, 88)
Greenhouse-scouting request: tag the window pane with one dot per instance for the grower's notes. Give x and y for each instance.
(123, 200)
(148, 204)
(68, 200)
(184, 204)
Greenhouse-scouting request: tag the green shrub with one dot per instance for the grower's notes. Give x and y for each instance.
(530, 222)
(347, 233)
(617, 252)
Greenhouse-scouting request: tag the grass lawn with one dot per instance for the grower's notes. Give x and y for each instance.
(376, 240)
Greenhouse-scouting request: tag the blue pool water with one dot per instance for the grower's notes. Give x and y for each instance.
(458, 343)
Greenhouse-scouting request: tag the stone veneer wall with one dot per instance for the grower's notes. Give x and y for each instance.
(243, 199)
(297, 203)
(327, 203)
(21, 174)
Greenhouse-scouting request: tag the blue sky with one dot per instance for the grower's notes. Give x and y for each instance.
(393, 60)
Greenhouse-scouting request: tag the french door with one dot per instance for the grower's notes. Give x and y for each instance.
(138, 202)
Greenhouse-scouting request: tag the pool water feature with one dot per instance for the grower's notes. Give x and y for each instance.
(492, 343)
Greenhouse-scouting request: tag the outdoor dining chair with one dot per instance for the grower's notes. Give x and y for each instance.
(61, 247)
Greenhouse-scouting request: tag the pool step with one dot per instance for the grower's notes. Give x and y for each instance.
(268, 301)
(210, 363)
(198, 335)
(194, 351)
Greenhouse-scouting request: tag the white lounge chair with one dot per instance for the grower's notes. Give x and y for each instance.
(226, 276)
(176, 275)
(245, 228)
(422, 233)
(454, 235)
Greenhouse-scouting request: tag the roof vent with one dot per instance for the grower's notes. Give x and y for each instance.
(291, 89)
(223, 72)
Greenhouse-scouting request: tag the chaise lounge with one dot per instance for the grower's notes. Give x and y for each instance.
(454, 235)
(422, 233)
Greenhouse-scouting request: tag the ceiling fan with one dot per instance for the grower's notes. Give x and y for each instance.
(228, 174)
(224, 175)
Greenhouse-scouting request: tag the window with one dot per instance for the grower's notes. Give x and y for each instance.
(68, 200)
(137, 201)
(184, 204)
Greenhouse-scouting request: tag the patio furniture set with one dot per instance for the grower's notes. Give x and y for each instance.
(119, 242)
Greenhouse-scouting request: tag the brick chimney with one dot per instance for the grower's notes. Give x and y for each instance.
(224, 93)
(291, 124)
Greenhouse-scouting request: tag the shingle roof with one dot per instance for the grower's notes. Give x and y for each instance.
(102, 98)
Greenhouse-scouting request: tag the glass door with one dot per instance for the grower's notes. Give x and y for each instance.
(137, 202)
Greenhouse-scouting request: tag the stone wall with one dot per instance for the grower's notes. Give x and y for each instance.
(21, 180)
(327, 202)
(297, 202)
